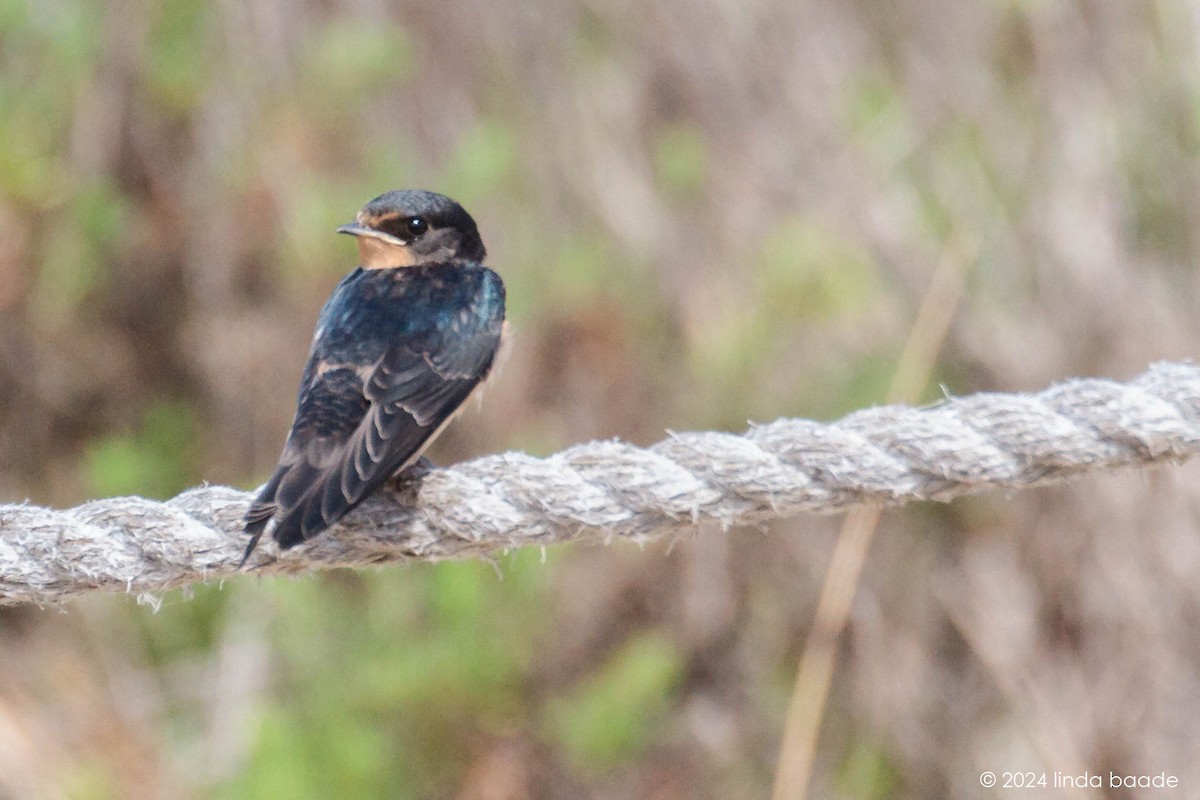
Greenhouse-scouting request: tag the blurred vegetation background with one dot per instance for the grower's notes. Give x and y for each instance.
(706, 212)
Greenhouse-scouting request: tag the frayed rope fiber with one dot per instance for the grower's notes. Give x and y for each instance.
(884, 456)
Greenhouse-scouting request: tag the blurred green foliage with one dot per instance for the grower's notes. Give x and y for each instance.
(681, 159)
(177, 61)
(435, 662)
(314, 209)
(482, 163)
(803, 274)
(47, 58)
(157, 459)
(79, 251)
(876, 113)
(392, 704)
(90, 779)
(616, 712)
(350, 57)
(866, 773)
(807, 272)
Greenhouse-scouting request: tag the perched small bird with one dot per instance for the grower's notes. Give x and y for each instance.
(399, 347)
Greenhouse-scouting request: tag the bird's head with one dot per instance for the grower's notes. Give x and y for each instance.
(408, 228)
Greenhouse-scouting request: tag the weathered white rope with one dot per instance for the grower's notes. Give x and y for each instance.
(887, 456)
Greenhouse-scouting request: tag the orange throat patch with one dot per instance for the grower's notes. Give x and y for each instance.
(377, 254)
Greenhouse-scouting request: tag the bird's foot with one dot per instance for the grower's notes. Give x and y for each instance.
(411, 476)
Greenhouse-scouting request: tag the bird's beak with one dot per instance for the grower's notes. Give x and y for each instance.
(355, 229)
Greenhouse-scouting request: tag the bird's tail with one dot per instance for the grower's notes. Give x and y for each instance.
(256, 524)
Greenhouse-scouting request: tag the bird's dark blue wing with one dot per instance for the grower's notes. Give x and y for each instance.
(357, 426)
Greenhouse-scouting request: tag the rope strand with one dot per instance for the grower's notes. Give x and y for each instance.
(888, 455)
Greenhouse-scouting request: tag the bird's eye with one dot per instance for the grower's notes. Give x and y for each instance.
(415, 226)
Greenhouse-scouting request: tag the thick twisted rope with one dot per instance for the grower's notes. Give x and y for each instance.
(886, 456)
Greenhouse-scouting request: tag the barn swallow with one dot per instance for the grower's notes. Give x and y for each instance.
(400, 345)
